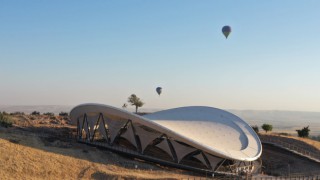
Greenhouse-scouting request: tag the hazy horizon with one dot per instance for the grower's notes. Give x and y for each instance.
(143, 108)
(282, 121)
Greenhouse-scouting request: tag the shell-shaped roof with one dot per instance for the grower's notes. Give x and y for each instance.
(211, 130)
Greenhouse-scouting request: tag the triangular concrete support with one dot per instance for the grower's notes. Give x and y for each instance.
(213, 160)
(145, 137)
(102, 128)
(165, 147)
(114, 127)
(181, 150)
(129, 135)
(201, 159)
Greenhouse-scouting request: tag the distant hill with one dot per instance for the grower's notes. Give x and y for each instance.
(55, 108)
(282, 121)
(41, 108)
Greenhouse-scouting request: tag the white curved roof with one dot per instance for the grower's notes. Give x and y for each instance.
(212, 130)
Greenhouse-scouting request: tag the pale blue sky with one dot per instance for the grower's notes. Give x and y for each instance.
(71, 52)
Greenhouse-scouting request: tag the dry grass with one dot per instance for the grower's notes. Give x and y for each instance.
(311, 142)
(25, 155)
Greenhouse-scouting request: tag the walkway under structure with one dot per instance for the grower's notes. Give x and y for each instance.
(123, 132)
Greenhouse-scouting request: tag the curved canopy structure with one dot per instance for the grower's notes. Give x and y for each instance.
(205, 133)
(213, 130)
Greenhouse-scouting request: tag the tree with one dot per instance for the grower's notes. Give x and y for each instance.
(135, 101)
(267, 127)
(255, 128)
(304, 132)
(36, 113)
(63, 114)
(17, 113)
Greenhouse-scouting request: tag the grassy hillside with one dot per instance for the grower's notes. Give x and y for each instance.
(26, 156)
(34, 149)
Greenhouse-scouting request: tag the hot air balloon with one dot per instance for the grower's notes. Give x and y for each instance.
(159, 90)
(226, 30)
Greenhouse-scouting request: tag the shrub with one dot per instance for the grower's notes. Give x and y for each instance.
(63, 114)
(255, 128)
(17, 113)
(5, 120)
(267, 127)
(304, 132)
(48, 114)
(35, 113)
(284, 134)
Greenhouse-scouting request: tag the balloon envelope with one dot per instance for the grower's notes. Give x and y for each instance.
(159, 90)
(226, 30)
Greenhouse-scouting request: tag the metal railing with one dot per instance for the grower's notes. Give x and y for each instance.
(293, 177)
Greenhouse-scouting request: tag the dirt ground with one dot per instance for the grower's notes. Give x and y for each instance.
(24, 155)
(36, 148)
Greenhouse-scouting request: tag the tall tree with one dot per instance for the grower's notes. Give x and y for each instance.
(135, 101)
(267, 127)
